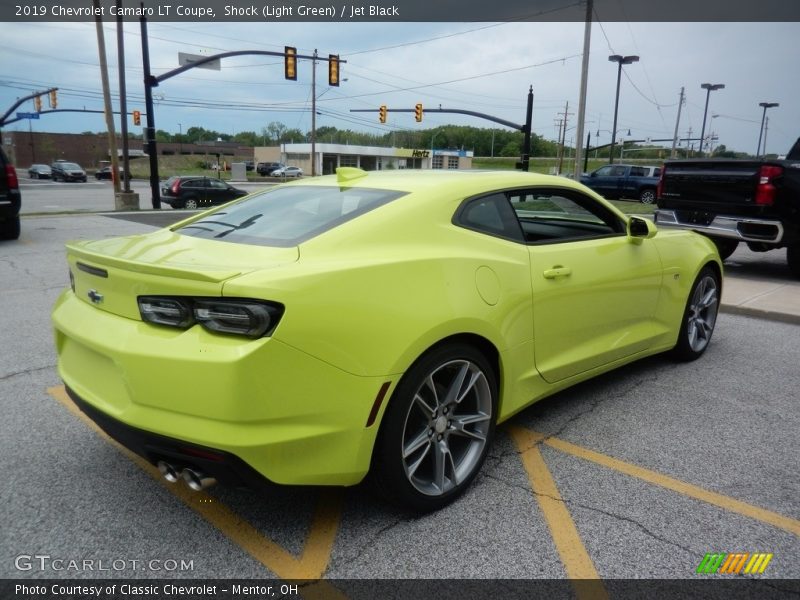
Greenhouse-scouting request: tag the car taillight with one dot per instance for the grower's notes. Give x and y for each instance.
(249, 318)
(176, 188)
(660, 186)
(11, 177)
(765, 190)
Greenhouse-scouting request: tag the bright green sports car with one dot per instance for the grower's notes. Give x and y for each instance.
(377, 323)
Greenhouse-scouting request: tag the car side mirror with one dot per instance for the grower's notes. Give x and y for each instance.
(639, 228)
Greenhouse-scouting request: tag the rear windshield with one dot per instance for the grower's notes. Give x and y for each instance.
(287, 216)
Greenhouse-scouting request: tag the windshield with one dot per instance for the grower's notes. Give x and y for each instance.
(66, 165)
(289, 215)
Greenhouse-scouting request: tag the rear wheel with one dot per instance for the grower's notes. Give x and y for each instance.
(725, 246)
(437, 429)
(699, 317)
(9, 229)
(793, 259)
(647, 196)
(190, 203)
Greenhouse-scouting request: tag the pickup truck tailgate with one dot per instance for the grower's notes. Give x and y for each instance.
(709, 184)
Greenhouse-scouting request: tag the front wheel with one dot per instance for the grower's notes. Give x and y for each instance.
(437, 429)
(699, 317)
(647, 196)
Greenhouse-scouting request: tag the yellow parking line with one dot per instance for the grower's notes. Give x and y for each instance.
(676, 485)
(317, 551)
(574, 557)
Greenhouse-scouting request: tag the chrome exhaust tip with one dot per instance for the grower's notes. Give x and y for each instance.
(168, 471)
(197, 480)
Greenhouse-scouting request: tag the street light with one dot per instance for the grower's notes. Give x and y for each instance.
(766, 105)
(620, 60)
(709, 87)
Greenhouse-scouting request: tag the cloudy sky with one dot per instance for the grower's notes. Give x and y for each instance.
(485, 67)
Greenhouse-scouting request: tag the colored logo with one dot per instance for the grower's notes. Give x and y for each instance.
(742, 563)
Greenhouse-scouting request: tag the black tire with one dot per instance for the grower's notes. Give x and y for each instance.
(699, 316)
(191, 204)
(9, 229)
(725, 246)
(793, 259)
(34, 175)
(430, 447)
(647, 196)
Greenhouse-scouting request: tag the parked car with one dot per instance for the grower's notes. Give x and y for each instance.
(39, 172)
(196, 191)
(249, 165)
(755, 201)
(67, 171)
(266, 168)
(105, 173)
(288, 172)
(624, 181)
(10, 199)
(369, 322)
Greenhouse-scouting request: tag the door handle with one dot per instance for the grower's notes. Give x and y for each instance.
(557, 271)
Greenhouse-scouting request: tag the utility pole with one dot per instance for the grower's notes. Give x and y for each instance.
(677, 123)
(689, 144)
(314, 114)
(766, 129)
(112, 136)
(587, 42)
(563, 137)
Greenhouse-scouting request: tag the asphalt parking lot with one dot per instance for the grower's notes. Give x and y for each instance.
(637, 474)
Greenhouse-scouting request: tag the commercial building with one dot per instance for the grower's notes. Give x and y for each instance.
(370, 158)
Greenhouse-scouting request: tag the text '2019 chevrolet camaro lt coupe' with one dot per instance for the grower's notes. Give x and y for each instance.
(377, 323)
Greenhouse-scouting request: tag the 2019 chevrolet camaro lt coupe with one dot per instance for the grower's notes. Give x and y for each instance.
(377, 323)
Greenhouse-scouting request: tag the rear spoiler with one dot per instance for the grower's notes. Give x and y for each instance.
(794, 153)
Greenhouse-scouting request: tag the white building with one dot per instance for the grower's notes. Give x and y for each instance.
(370, 158)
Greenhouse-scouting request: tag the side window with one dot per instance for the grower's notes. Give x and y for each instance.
(638, 171)
(656, 172)
(217, 185)
(550, 215)
(618, 171)
(604, 171)
(194, 184)
(492, 215)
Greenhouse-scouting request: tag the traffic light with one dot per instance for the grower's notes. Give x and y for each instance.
(418, 113)
(290, 63)
(37, 103)
(53, 99)
(137, 117)
(333, 69)
(382, 113)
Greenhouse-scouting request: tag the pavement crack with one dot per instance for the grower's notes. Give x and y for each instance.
(26, 372)
(376, 537)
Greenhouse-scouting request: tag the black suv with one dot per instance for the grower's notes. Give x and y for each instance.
(67, 171)
(195, 191)
(266, 168)
(10, 200)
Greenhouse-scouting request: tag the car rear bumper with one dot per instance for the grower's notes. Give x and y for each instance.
(271, 411)
(744, 229)
(10, 204)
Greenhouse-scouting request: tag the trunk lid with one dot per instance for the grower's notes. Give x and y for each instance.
(112, 273)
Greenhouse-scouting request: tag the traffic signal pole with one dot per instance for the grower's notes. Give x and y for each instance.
(150, 130)
(525, 129)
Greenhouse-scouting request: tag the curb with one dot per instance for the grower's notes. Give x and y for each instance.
(758, 313)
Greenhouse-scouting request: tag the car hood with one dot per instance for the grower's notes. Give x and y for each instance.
(162, 263)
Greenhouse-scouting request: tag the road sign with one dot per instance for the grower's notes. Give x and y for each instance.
(187, 59)
(27, 115)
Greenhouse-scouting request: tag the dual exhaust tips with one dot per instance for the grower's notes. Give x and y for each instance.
(194, 478)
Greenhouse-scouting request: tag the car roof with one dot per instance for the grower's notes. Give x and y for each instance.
(465, 182)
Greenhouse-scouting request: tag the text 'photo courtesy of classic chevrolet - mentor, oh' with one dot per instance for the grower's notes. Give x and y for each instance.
(369, 324)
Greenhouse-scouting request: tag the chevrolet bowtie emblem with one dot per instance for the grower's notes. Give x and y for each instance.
(95, 296)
